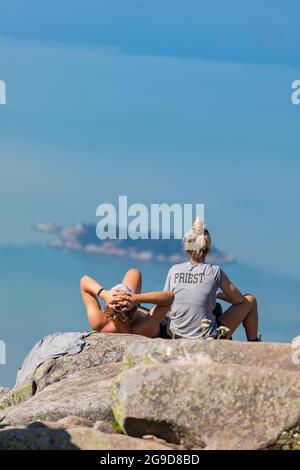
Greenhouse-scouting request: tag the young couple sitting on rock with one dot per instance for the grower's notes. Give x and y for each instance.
(186, 308)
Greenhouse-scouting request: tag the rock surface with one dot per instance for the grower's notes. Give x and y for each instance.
(51, 436)
(3, 392)
(220, 407)
(191, 393)
(85, 395)
(269, 355)
(99, 349)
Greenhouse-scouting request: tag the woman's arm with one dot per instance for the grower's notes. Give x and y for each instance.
(222, 296)
(161, 298)
(127, 300)
(89, 285)
(89, 289)
(230, 293)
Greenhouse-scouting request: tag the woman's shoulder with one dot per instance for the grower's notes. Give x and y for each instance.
(213, 269)
(179, 266)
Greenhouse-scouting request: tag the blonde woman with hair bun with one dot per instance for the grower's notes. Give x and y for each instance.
(197, 285)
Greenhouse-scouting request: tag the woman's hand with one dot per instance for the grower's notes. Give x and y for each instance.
(123, 300)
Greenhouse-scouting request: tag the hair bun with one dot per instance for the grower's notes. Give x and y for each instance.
(197, 242)
(198, 226)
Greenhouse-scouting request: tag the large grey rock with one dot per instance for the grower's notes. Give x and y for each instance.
(216, 406)
(49, 436)
(212, 394)
(85, 394)
(99, 349)
(205, 352)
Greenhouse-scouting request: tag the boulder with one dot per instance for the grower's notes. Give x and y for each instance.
(99, 349)
(214, 406)
(50, 436)
(85, 394)
(204, 352)
(191, 393)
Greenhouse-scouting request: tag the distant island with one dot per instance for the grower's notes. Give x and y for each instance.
(82, 237)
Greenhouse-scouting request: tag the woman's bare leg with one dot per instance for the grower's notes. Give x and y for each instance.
(133, 279)
(245, 313)
(149, 326)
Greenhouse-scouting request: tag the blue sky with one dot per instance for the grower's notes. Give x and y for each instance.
(165, 101)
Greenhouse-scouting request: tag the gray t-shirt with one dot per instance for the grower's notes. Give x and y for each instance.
(195, 287)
